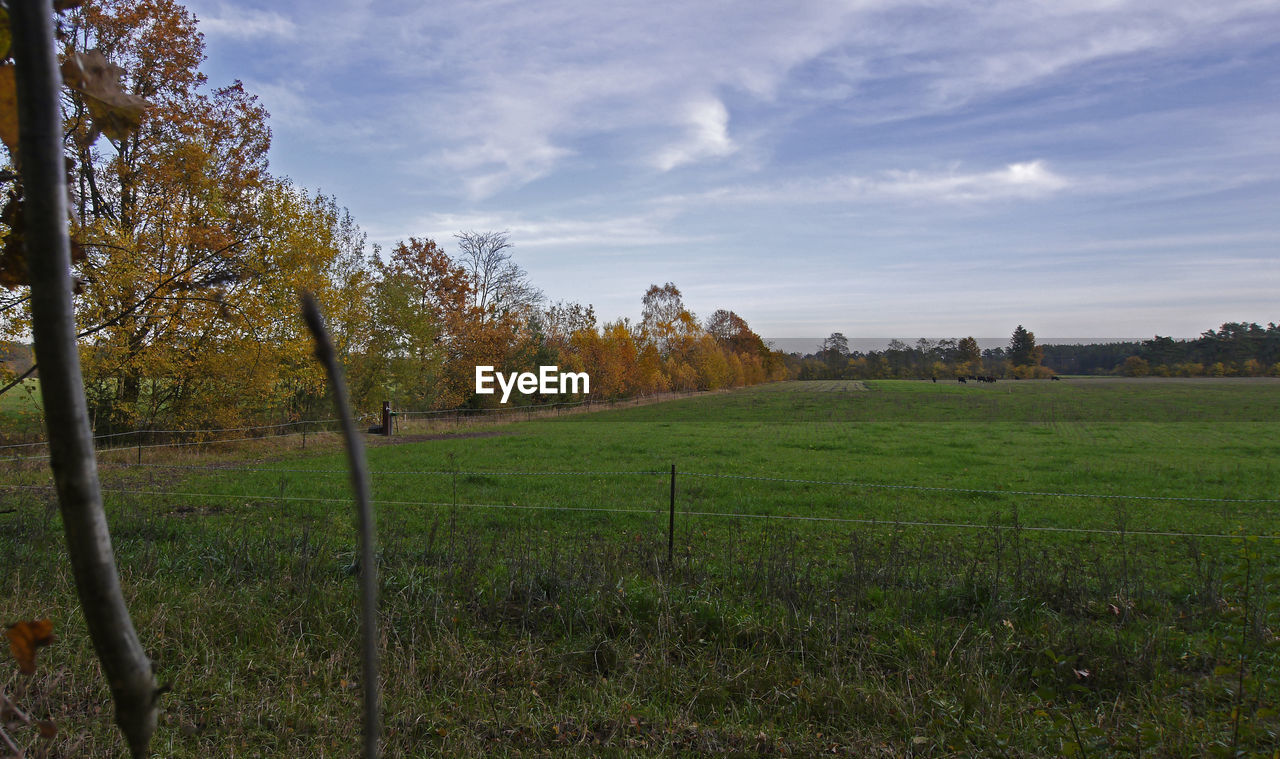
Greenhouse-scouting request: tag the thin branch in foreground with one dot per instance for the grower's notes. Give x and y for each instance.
(125, 664)
(360, 485)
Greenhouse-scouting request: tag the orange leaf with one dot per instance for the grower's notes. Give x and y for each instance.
(25, 638)
(115, 112)
(9, 109)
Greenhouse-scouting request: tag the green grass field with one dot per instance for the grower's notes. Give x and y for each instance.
(20, 416)
(879, 568)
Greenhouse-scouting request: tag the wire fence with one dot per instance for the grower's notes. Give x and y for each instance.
(144, 439)
(151, 439)
(685, 512)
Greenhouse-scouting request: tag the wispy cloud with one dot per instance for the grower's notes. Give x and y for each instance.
(549, 232)
(708, 136)
(246, 23)
(1017, 180)
(692, 141)
(500, 94)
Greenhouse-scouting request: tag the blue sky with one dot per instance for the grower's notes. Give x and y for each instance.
(1085, 168)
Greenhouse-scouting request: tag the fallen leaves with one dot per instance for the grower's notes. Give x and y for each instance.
(25, 638)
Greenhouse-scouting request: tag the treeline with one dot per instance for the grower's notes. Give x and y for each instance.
(945, 358)
(1236, 349)
(190, 256)
(414, 327)
(15, 358)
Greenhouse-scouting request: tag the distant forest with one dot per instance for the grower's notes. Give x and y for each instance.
(1236, 349)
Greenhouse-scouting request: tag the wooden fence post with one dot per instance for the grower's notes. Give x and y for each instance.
(671, 518)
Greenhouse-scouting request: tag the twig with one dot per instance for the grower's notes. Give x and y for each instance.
(12, 707)
(360, 485)
(125, 664)
(17, 752)
(18, 380)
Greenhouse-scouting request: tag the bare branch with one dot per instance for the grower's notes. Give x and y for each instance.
(497, 282)
(18, 380)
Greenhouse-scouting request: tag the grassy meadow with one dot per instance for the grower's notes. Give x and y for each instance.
(888, 568)
(20, 415)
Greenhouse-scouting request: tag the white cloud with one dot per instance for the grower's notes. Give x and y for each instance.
(500, 94)
(246, 24)
(555, 232)
(708, 136)
(1017, 180)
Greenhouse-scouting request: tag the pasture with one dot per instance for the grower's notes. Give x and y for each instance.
(20, 417)
(888, 568)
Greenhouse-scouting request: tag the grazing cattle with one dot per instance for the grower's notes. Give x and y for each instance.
(1056, 378)
(960, 379)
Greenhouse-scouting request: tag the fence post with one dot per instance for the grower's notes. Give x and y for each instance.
(671, 518)
(304, 436)
(139, 436)
(386, 418)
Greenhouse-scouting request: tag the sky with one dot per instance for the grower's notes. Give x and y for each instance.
(1086, 168)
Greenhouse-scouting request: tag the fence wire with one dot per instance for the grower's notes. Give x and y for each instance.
(460, 413)
(721, 475)
(658, 511)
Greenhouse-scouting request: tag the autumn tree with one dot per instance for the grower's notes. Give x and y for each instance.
(192, 252)
(1135, 366)
(968, 356)
(724, 326)
(711, 363)
(419, 306)
(664, 319)
(349, 288)
(610, 357)
(734, 334)
(165, 214)
(558, 327)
